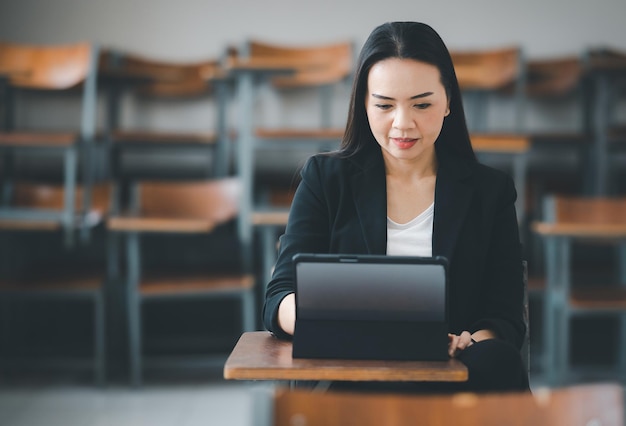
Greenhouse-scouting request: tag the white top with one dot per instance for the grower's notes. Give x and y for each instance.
(413, 238)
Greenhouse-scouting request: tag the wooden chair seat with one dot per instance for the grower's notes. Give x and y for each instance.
(291, 134)
(64, 282)
(159, 224)
(38, 139)
(48, 199)
(506, 143)
(599, 297)
(182, 284)
(158, 137)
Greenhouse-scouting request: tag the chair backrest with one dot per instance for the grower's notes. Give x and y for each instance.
(214, 200)
(576, 405)
(553, 77)
(162, 78)
(481, 72)
(46, 67)
(487, 69)
(315, 65)
(49, 196)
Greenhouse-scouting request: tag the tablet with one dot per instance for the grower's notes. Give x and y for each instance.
(381, 306)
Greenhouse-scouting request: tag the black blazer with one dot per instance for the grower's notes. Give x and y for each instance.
(340, 207)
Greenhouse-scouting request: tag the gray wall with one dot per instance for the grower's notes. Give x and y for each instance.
(194, 28)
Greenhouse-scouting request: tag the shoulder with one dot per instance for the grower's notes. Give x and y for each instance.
(482, 179)
(331, 165)
(488, 173)
(495, 182)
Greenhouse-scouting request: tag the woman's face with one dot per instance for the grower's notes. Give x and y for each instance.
(406, 105)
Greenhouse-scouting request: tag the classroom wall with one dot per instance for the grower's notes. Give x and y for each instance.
(194, 29)
(188, 29)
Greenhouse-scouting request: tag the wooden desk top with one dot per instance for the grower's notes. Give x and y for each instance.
(260, 356)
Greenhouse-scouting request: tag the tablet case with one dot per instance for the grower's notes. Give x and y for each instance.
(371, 307)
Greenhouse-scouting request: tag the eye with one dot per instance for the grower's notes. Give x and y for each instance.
(422, 106)
(384, 107)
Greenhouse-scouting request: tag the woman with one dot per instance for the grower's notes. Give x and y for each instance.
(406, 182)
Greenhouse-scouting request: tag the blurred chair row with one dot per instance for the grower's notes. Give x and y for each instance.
(119, 170)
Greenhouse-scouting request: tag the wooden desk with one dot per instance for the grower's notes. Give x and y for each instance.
(260, 356)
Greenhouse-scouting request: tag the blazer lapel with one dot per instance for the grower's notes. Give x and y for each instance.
(453, 193)
(369, 189)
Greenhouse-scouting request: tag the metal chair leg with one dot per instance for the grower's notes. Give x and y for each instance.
(99, 339)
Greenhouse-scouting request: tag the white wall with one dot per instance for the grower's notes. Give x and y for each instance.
(192, 29)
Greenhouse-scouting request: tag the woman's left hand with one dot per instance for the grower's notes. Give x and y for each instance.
(459, 343)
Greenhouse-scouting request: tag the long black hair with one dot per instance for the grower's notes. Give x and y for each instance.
(407, 40)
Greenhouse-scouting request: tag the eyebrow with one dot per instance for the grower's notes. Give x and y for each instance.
(387, 98)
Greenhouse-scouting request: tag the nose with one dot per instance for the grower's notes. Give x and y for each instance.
(403, 119)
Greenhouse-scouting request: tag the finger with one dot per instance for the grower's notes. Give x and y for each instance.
(453, 346)
(465, 340)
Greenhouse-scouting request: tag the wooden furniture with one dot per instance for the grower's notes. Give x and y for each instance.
(582, 220)
(606, 76)
(581, 405)
(44, 70)
(143, 147)
(485, 72)
(282, 70)
(207, 207)
(261, 356)
(27, 276)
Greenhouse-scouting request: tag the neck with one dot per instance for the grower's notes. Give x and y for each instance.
(421, 167)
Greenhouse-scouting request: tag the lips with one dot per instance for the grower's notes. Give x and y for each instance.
(404, 143)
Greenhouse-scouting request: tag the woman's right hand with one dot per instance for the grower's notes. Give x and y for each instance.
(287, 313)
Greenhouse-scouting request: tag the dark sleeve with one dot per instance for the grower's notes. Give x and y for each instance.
(503, 296)
(307, 232)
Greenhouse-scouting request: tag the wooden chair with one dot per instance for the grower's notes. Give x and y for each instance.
(278, 72)
(183, 208)
(140, 147)
(57, 277)
(483, 74)
(605, 74)
(572, 406)
(486, 72)
(588, 221)
(45, 70)
(558, 161)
